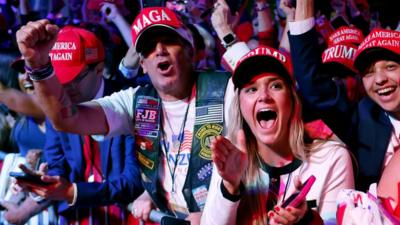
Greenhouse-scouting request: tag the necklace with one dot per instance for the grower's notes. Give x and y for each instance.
(177, 139)
(274, 184)
(177, 143)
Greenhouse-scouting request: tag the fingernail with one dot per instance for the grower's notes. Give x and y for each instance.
(271, 214)
(289, 209)
(277, 209)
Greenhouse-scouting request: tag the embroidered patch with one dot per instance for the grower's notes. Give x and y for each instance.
(200, 195)
(209, 114)
(147, 116)
(204, 172)
(206, 134)
(143, 143)
(145, 161)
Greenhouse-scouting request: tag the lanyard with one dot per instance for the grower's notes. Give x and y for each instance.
(180, 139)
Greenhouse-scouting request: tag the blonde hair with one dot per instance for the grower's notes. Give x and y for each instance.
(252, 203)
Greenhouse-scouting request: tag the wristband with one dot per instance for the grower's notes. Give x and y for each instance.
(40, 73)
(229, 196)
(261, 7)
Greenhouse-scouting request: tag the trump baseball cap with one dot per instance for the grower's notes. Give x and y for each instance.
(74, 49)
(153, 19)
(346, 35)
(379, 44)
(260, 60)
(340, 54)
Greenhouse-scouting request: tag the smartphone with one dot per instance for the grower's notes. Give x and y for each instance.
(298, 197)
(338, 21)
(28, 178)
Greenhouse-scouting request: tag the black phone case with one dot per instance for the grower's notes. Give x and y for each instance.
(28, 177)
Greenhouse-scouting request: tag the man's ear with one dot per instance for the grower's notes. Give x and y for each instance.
(143, 65)
(99, 68)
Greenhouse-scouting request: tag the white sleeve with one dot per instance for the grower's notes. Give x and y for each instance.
(228, 100)
(119, 113)
(302, 26)
(218, 210)
(233, 54)
(128, 73)
(341, 177)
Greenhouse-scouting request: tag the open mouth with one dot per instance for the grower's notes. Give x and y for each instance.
(266, 118)
(164, 66)
(385, 91)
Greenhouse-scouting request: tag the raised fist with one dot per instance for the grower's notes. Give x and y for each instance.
(35, 41)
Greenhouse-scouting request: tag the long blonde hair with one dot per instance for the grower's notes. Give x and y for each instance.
(257, 213)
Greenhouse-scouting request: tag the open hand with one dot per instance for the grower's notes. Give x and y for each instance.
(230, 160)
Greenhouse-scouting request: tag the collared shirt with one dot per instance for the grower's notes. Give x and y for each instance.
(394, 143)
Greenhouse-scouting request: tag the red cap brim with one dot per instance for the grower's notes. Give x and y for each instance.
(67, 74)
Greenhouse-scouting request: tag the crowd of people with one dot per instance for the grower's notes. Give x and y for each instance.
(205, 112)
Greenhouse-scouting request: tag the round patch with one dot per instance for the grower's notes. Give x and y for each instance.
(206, 134)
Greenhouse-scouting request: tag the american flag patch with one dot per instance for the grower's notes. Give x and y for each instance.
(91, 53)
(209, 114)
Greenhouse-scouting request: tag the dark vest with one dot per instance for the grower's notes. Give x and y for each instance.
(209, 121)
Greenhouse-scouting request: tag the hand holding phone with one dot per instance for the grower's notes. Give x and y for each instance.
(298, 197)
(27, 177)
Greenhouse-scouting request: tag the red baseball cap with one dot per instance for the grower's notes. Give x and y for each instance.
(379, 44)
(342, 54)
(74, 49)
(154, 19)
(346, 34)
(259, 60)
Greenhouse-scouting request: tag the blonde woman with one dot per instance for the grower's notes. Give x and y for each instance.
(267, 158)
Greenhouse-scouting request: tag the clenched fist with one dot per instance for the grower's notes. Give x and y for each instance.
(35, 41)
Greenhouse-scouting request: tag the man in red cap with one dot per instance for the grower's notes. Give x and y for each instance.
(83, 172)
(338, 60)
(173, 120)
(370, 127)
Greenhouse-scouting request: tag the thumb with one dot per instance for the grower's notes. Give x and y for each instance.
(52, 31)
(241, 141)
